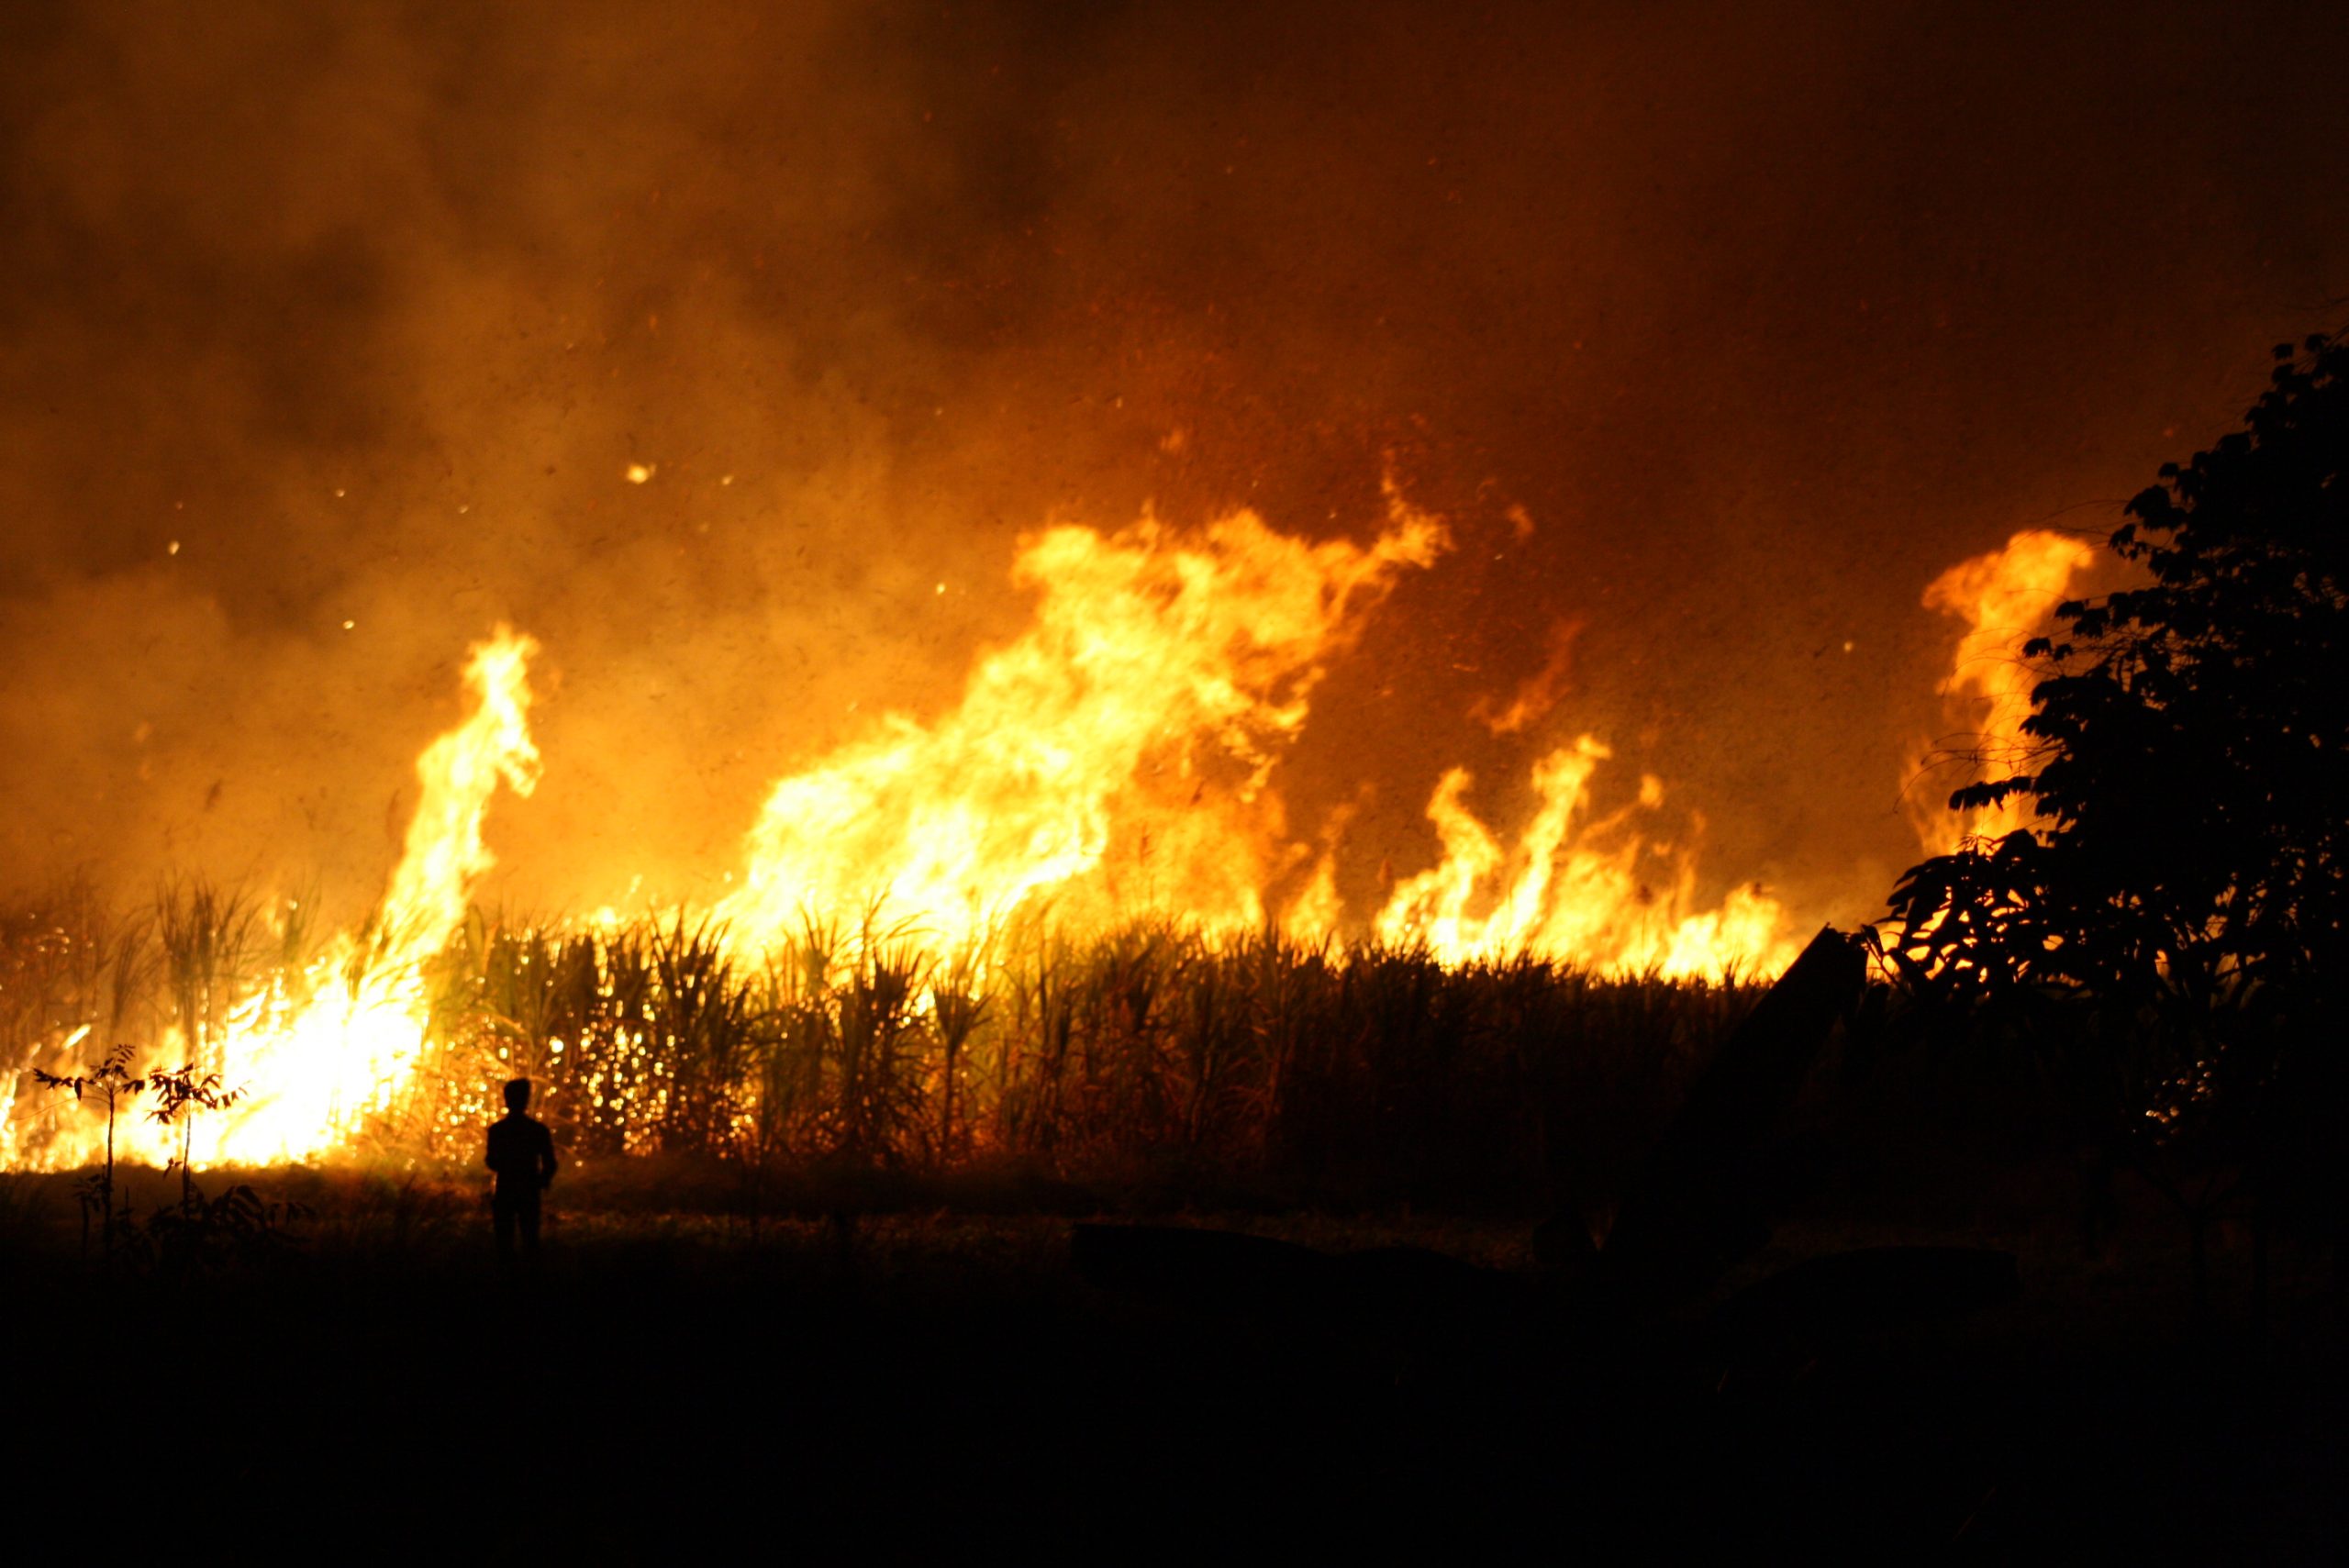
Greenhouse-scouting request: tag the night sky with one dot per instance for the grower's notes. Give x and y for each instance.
(1763, 316)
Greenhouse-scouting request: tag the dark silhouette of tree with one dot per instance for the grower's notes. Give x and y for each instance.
(111, 1084)
(178, 1095)
(2185, 888)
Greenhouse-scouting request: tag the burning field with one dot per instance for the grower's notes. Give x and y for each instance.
(1071, 910)
(1024, 577)
(1568, 764)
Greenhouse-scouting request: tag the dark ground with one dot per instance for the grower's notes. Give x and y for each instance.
(666, 1379)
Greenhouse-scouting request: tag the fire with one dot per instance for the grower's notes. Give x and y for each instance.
(1115, 757)
(1588, 890)
(2003, 597)
(317, 1067)
(318, 1052)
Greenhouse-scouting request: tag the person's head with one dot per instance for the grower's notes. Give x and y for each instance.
(517, 1095)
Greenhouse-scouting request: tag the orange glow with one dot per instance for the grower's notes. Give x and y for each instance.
(1533, 701)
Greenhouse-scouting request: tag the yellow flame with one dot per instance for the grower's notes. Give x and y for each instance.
(2004, 598)
(318, 1052)
(1593, 892)
(315, 1069)
(444, 854)
(1114, 756)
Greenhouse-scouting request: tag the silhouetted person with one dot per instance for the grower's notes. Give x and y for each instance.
(521, 1151)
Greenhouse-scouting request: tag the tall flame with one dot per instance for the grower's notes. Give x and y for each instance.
(2003, 597)
(317, 1068)
(1117, 755)
(1592, 891)
(444, 855)
(1114, 755)
(318, 1052)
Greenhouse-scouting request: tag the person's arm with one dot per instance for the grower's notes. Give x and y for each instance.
(546, 1157)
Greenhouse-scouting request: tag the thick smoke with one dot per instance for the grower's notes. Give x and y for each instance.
(330, 335)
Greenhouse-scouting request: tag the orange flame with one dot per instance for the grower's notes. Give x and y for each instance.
(2003, 597)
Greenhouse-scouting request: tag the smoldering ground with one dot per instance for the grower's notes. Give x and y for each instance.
(329, 336)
